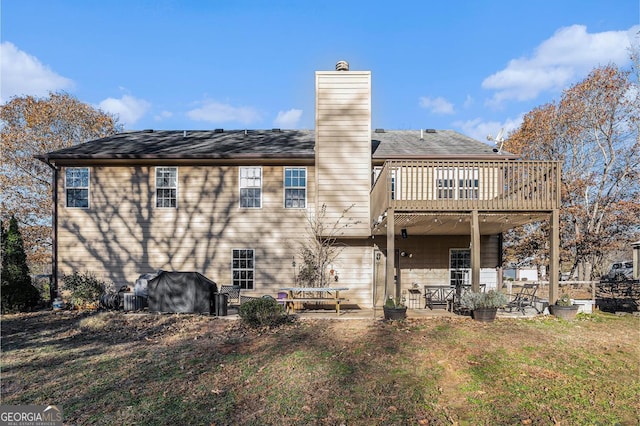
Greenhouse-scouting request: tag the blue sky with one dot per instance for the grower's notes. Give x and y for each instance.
(470, 66)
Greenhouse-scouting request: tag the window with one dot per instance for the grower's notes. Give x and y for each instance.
(77, 187)
(461, 184)
(295, 188)
(242, 268)
(459, 266)
(468, 184)
(166, 186)
(251, 187)
(444, 184)
(376, 173)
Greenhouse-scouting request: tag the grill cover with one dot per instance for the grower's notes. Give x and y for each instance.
(181, 292)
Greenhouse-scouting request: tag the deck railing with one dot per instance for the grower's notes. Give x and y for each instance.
(502, 185)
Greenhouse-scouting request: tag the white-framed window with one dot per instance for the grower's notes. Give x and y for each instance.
(166, 187)
(376, 173)
(243, 268)
(251, 187)
(76, 183)
(468, 184)
(295, 187)
(459, 184)
(445, 182)
(459, 266)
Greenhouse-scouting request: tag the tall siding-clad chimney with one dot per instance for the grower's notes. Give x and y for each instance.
(343, 145)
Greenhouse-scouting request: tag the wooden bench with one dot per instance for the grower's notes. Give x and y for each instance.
(290, 302)
(438, 295)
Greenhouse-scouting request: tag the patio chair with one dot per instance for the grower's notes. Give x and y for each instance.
(282, 295)
(525, 298)
(233, 293)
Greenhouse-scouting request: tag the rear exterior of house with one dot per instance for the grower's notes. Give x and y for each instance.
(425, 207)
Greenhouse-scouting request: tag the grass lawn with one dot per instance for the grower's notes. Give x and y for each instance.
(115, 368)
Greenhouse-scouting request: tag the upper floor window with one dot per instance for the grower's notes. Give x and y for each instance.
(251, 187)
(445, 182)
(468, 186)
(166, 186)
(242, 268)
(77, 187)
(295, 187)
(460, 184)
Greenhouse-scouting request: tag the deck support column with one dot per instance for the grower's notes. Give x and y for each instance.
(475, 251)
(389, 283)
(554, 256)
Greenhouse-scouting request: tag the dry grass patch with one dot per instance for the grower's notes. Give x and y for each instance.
(115, 368)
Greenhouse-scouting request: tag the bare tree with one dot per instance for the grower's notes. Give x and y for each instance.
(593, 130)
(31, 126)
(321, 246)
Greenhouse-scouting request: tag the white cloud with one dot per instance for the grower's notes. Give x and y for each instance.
(217, 112)
(479, 130)
(127, 108)
(568, 54)
(288, 119)
(23, 74)
(437, 105)
(469, 101)
(163, 115)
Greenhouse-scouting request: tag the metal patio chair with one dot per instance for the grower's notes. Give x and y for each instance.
(525, 298)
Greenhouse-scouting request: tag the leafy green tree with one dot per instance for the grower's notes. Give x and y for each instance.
(18, 293)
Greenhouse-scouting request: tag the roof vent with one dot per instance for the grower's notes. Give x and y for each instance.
(276, 130)
(147, 131)
(184, 134)
(218, 131)
(379, 131)
(342, 66)
(430, 130)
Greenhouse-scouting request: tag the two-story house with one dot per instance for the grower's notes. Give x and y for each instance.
(426, 206)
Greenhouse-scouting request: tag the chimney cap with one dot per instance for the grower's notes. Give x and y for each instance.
(342, 66)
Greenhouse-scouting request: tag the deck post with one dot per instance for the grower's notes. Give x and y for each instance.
(475, 251)
(554, 256)
(389, 286)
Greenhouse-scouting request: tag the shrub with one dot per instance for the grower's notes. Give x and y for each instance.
(564, 300)
(18, 292)
(85, 288)
(261, 312)
(490, 299)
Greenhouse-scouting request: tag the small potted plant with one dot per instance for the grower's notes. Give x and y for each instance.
(394, 309)
(484, 305)
(564, 308)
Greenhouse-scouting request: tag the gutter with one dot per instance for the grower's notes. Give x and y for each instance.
(53, 289)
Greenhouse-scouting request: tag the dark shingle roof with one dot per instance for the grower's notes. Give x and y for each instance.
(434, 144)
(266, 144)
(197, 144)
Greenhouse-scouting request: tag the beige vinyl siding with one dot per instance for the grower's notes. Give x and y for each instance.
(123, 234)
(429, 264)
(421, 183)
(343, 146)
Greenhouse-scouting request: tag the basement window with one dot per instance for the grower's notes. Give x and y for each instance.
(242, 268)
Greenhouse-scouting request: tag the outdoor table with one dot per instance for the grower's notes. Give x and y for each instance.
(305, 294)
